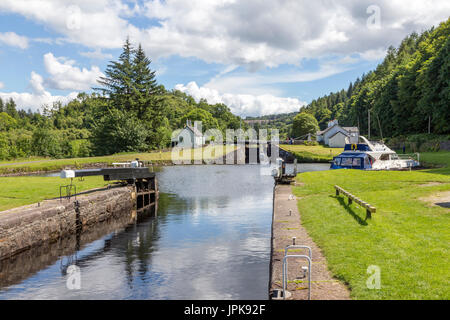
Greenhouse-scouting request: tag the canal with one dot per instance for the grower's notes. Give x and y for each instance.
(210, 240)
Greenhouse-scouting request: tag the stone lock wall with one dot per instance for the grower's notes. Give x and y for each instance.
(28, 226)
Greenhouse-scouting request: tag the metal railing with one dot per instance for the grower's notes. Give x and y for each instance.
(285, 259)
(68, 189)
(285, 264)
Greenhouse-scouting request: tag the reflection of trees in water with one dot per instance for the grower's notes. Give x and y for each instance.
(140, 241)
(27, 263)
(135, 242)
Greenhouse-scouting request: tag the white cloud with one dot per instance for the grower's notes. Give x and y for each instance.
(255, 33)
(38, 97)
(250, 33)
(1, 85)
(259, 83)
(37, 84)
(96, 24)
(97, 54)
(243, 104)
(35, 102)
(14, 40)
(64, 75)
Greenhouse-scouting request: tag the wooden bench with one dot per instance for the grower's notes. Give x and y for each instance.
(369, 208)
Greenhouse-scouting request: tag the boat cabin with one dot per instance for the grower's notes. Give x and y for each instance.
(350, 160)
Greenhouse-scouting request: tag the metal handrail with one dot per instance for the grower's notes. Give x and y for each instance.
(293, 246)
(285, 269)
(298, 246)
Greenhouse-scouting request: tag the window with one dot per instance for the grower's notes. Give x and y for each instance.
(346, 162)
(357, 162)
(337, 161)
(180, 139)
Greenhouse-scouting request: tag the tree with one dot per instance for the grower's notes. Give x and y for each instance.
(145, 87)
(197, 114)
(6, 122)
(303, 124)
(10, 108)
(119, 131)
(118, 81)
(46, 143)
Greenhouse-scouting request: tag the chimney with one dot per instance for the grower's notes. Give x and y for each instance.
(198, 126)
(332, 123)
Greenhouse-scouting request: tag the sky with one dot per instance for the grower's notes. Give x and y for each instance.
(259, 57)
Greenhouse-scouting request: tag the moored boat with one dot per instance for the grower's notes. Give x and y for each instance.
(370, 155)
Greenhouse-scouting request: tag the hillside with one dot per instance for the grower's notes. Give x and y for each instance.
(408, 93)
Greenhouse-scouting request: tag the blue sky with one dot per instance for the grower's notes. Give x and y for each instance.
(258, 57)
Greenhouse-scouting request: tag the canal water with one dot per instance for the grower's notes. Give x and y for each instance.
(210, 240)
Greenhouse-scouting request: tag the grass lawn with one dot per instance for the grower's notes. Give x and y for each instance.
(43, 164)
(24, 190)
(20, 191)
(407, 238)
(312, 154)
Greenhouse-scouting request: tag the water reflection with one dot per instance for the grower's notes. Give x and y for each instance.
(211, 240)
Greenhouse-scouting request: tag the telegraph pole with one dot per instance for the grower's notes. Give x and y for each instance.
(429, 124)
(368, 112)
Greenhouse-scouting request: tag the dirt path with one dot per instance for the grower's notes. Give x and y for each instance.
(285, 226)
(441, 199)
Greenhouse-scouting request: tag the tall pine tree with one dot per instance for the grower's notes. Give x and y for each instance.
(118, 81)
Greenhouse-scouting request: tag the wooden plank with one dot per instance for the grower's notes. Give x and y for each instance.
(351, 198)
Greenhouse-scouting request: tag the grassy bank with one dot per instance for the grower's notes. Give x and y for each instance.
(312, 154)
(408, 238)
(24, 190)
(44, 165)
(20, 191)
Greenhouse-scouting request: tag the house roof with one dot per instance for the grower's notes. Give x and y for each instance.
(195, 131)
(351, 129)
(346, 135)
(327, 129)
(177, 132)
(348, 129)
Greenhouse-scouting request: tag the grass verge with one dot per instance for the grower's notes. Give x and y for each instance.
(44, 165)
(407, 238)
(312, 154)
(20, 191)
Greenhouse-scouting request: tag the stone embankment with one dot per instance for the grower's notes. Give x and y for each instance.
(285, 226)
(47, 222)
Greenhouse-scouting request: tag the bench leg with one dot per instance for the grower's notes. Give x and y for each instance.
(368, 214)
(350, 201)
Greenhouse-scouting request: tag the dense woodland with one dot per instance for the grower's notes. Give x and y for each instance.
(129, 111)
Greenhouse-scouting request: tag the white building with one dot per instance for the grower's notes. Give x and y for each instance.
(336, 136)
(338, 140)
(188, 137)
